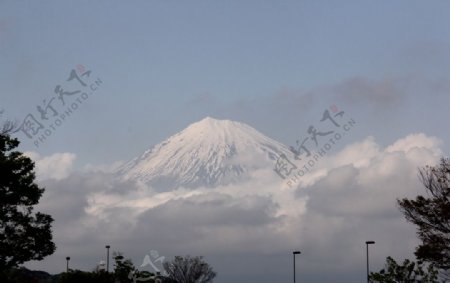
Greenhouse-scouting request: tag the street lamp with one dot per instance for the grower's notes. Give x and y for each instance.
(67, 265)
(367, 253)
(107, 257)
(295, 253)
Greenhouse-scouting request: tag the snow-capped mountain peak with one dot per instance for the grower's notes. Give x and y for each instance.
(208, 153)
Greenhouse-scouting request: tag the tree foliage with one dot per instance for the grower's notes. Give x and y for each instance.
(23, 275)
(408, 272)
(125, 271)
(7, 126)
(77, 276)
(24, 235)
(432, 215)
(123, 268)
(189, 270)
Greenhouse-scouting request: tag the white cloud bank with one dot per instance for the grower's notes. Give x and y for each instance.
(56, 166)
(248, 231)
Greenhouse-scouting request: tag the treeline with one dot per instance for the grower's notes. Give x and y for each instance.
(180, 270)
(23, 275)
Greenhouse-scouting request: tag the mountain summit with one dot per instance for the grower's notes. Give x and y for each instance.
(207, 153)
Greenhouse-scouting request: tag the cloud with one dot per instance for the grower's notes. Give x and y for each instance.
(250, 229)
(384, 92)
(56, 166)
(364, 168)
(416, 142)
(103, 168)
(355, 200)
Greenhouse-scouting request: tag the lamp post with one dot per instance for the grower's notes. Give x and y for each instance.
(67, 263)
(295, 253)
(367, 254)
(107, 257)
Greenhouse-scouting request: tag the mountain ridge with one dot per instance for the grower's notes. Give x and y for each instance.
(207, 153)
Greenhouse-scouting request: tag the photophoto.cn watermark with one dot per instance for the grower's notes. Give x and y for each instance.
(334, 125)
(155, 269)
(68, 97)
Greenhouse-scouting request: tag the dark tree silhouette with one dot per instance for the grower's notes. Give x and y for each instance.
(123, 268)
(408, 272)
(24, 235)
(189, 270)
(8, 126)
(432, 216)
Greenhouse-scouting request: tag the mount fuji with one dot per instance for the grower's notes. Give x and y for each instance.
(208, 153)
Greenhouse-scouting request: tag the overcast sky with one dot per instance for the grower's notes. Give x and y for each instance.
(150, 68)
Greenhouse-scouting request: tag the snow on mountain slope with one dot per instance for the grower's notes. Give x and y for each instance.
(207, 153)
